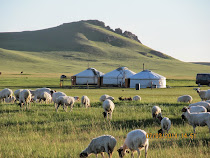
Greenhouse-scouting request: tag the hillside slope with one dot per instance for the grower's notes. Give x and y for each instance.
(70, 48)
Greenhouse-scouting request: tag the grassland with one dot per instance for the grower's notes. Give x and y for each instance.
(41, 132)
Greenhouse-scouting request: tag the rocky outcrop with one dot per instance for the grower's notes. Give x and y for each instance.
(117, 30)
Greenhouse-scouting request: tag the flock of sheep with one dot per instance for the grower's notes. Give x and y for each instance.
(197, 114)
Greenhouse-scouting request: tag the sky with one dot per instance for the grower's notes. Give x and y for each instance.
(179, 28)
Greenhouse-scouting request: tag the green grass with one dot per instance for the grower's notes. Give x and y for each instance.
(41, 132)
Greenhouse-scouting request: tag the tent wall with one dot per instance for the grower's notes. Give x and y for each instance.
(161, 83)
(113, 81)
(84, 80)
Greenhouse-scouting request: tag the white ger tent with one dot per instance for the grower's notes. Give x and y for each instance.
(146, 79)
(88, 76)
(118, 76)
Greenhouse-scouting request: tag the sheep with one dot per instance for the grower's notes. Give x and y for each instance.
(202, 93)
(39, 91)
(65, 101)
(17, 94)
(185, 98)
(108, 106)
(137, 98)
(105, 96)
(85, 101)
(207, 96)
(46, 97)
(156, 112)
(5, 93)
(135, 140)
(25, 98)
(56, 95)
(208, 101)
(194, 109)
(165, 125)
(196, 119)
(202, 103)
(11, 100)
(105, 143)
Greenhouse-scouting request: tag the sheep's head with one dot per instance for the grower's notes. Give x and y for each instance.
(76, 98)
(197, 90)
(159, 117)
(160, 131)
(83, 155)
(184, 109)
(104, 113)
(121, 152)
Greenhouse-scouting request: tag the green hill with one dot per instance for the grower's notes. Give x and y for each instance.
(69, 48)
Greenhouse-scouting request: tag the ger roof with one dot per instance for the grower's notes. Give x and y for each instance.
(89, 72)
(120, 71)
(147, 74)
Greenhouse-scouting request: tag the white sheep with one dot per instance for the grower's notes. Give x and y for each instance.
(196, 119)
(108, 106)
(10, 100)
(5, 93)
(105, 96)
(85, 101)
(201, 93)
(17, 94)
(137, 98)
(165, 125)
(194, 109)
(156, 112)
(207, 96)
(185, 98)
(46, 97)
(136, 140)
(65, 101)
(25, 98)
(38, 92)
(56, 95)
(99, 145)
(202, 103)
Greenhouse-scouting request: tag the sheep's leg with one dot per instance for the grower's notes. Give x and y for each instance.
(102, 154)
(71, 108)
(194, 129)
(146, 148)
(132, 155)
(57, 107)
(139, 153)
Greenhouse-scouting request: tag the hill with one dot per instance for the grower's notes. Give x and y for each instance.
(70, 47)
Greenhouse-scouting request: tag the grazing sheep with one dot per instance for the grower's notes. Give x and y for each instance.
(38, 92)
(136, 140)
(25, 98)
(185, 99)
(196, 119)
(85, 101)
(202, 93)
(194, 109)
(137, 98)
(65, 101)
(105, 96)
(156, 112)
(105, 143)
(10, 100)
(165, 125)
(202, 103)
(17, 94)
(125, 99)
(207, 96)
(5, 93)
(108, 106)
(45, 97)
(56, 95)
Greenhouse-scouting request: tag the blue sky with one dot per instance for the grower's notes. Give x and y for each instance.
(179, 28)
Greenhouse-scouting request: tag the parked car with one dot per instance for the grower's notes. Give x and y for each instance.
(203, 79)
